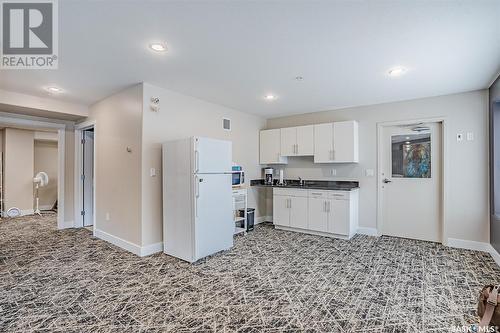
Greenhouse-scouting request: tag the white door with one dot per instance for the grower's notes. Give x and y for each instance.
(323, 143)
(88, 177)
(281, 210)
(212, 155)
(305, 140)
(344, 141)
(298, 212)
(338, 217)
(214, 225)
(288, 141)
(318, 214)
(410, 181)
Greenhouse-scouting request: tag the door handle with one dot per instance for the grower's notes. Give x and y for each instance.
(386, 181)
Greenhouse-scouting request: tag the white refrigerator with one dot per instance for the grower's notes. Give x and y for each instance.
(197, 197)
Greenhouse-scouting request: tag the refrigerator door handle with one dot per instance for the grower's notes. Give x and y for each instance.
(196, 160)
(197, 194)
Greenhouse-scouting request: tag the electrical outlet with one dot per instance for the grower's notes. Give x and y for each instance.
(460, 137)
(108, 217)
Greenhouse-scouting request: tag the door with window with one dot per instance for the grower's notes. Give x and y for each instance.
(410, 181)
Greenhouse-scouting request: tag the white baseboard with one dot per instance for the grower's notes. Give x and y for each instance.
(151, 249)
(261, 219)
(27, 212)
(476, 246)
(126, 245)
(68, 224)
(495, 255)
(469, 245)
(368, 231)
(46, 207)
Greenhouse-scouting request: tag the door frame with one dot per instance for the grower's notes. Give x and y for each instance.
(444, 169)
(8, 120)
(79, 128)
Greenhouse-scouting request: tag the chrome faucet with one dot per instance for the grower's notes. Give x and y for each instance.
(301, 182)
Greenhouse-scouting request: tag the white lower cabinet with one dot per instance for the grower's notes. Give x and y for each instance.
(318, 214)
(281, 212)
(329, 213)
(298, 212)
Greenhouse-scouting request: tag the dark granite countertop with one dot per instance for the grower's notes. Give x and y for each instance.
(310, 184)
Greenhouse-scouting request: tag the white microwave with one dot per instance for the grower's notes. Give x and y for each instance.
(238, 175)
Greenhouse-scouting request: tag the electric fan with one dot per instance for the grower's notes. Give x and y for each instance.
(41, 179)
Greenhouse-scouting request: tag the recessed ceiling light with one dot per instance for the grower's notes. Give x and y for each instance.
(158, 47)
(269, 97)
(54, 90)
(397, 71)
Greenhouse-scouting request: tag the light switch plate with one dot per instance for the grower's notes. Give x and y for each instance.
(369, 173)
(460, 137)
(470, 136)
(152, 172)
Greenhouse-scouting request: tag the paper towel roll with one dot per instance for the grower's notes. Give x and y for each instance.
(281, 176)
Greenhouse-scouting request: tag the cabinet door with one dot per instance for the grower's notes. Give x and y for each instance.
(318, 214)
(323, 143)
(298, 212)
(281, 210)
(288, 141)
(270, 147)
(339, 216)
(345, 141)
(305, 141)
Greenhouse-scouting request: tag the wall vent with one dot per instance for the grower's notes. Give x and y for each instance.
(226, 124)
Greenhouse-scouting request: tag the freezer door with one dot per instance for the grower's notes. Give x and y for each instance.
(214, 225)
(212, 155)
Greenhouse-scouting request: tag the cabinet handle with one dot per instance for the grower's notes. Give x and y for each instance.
(297, 149)
(324, 206)
(329, 208)
(290, 203)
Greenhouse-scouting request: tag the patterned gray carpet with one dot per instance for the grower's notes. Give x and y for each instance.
(271, 281)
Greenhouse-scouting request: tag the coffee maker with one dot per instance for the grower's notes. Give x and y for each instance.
(268, 176)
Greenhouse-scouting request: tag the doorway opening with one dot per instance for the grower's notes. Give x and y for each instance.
(32, 165)
(85, 176)
(411, 161)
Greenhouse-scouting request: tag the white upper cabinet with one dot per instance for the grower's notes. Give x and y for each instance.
(323, 143)
(336, 142)
(288, 141)
(297, 141)
(270, 147)
(345, 142)
(305, 140)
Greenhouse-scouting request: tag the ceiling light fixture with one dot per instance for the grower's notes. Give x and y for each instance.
(54, 90)
(158, 47)
(270, 97)
(397, 71)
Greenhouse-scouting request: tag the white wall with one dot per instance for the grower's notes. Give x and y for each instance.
(46, 160)
(117, 172)
(182, 116)
(467, 215)
(18, 169)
